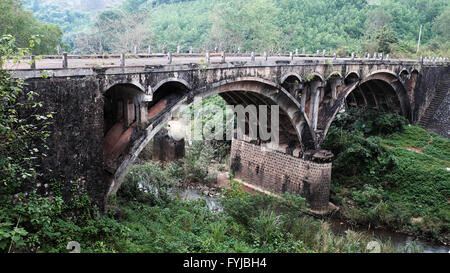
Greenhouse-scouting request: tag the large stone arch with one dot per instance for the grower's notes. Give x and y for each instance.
(381, 90)
(393, 82)
(256, 90)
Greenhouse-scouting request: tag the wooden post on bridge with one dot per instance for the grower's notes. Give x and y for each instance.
(252, 56)
(223, 57)
(122, 60)
(208, 58)
(291, 56)
(190, 50)
(65, 63)
(149, 51)
(169, 57)
(266, 56)
(33, 62)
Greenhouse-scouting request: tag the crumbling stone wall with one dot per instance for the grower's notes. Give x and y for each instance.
(280, 172)
(74, 161)
(432, 100)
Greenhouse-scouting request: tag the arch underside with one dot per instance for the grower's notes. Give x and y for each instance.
(377, 95)
(381, 92)
(170, 98)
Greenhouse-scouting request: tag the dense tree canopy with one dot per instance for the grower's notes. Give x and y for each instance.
(23, 26)
(274, 25)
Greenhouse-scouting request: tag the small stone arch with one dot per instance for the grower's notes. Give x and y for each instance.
(314, 76)
(382, 74)
(133, 83)
(334, 80)
(335, 74)
(352, 77)
(172, 80)
(293, 83)
(414, 70)
(290, 74)
(404, 75)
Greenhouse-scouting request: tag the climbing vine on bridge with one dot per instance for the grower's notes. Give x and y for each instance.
(23, 133)
(22, 126)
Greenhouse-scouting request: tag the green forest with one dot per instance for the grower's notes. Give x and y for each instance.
(389, 26)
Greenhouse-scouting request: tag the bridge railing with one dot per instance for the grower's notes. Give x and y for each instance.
(207, 57)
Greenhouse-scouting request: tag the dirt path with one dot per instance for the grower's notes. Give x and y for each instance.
(420, 151)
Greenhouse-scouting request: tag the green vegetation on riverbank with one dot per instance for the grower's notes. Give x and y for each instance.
(391, 176)
(145, 218)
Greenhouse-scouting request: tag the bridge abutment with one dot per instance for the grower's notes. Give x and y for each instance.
(274, 169)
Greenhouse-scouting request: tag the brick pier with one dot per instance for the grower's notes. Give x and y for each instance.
(307, 174)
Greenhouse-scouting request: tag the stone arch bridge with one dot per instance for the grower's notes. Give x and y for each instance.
(105, 115)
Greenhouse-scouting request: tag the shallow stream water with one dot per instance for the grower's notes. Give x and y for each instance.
(399, 240)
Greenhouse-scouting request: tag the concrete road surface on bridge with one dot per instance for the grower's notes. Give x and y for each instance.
(55, 62)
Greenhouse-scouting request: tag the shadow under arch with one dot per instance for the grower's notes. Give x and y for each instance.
(381, 90)
(389, 81)
(255, 91)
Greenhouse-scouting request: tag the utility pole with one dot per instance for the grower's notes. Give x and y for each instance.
(418, 43)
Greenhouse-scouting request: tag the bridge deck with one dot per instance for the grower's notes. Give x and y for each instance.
(86, 65)
(55, 62)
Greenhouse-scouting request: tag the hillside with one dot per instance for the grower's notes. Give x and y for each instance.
(273, 25)
(79, 5)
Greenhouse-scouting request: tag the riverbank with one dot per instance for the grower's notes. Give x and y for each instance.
(339, 225)
(395, 181)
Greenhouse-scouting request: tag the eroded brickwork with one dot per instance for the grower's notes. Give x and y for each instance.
(280, 173)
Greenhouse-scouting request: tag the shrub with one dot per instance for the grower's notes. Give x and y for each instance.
(370, 122)
(148, 182)
(357, 155)
(197, 162)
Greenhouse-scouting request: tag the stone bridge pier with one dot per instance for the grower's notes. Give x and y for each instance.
(279, 170)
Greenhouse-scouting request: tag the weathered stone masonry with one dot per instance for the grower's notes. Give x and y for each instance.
(280, 172)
